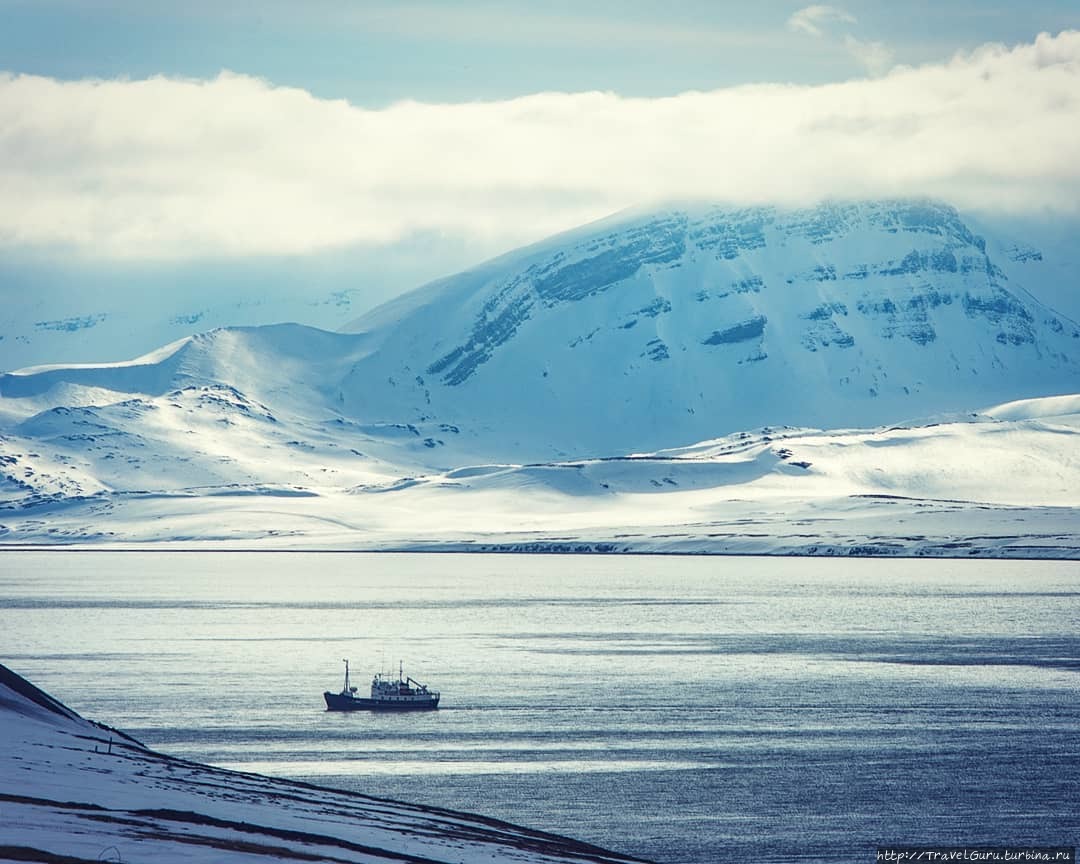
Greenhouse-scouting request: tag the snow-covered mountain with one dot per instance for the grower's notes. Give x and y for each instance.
(654, 330)
(74, 790)
(662, 328)
(639, 334)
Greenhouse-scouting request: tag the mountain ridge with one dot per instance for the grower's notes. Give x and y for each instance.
(649, 330)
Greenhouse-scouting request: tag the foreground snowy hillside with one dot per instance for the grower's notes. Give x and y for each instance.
(75, 791)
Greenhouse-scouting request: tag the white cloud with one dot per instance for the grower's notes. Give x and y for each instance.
(167, 168)
(811, 19)
(875, 57)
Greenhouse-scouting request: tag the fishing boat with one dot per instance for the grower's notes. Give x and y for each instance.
(404, 694)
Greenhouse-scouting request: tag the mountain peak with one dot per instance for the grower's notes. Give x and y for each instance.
(695, 320)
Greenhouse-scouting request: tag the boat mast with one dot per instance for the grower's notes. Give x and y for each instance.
(346, 662)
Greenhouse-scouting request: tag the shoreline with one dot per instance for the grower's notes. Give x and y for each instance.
(552, 549)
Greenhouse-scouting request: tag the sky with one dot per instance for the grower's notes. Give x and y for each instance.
(369, 146)
(376, 53)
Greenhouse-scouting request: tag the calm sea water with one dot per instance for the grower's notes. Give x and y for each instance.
(680, 709)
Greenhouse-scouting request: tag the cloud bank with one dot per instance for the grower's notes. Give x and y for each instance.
(234, 166)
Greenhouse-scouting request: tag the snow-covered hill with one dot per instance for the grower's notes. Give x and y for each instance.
(73, 791)
(528, 381)
(1001, 483)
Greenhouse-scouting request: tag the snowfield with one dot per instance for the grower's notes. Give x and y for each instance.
(75, 791)
(969, 486)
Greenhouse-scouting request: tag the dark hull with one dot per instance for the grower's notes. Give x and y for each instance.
(337, 702)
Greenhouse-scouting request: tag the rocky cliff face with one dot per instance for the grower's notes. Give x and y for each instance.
(941, 244)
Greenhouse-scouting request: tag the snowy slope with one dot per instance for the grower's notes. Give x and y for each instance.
(1039, 251)
(73, 791)
(971, 485)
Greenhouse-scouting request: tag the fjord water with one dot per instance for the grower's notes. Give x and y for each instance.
(679, 709)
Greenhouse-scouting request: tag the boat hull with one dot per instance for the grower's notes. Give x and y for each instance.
(338, 702)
